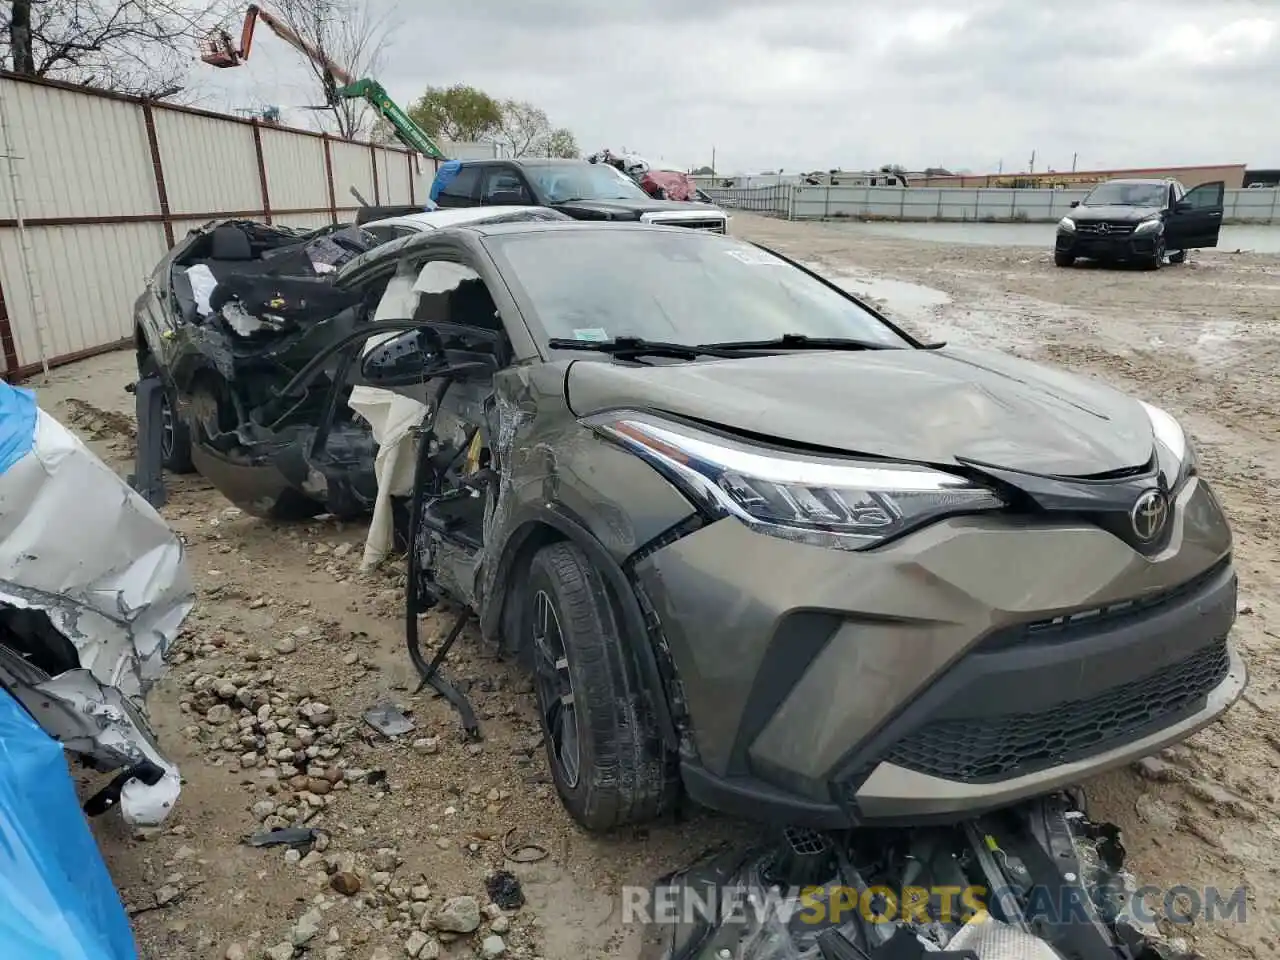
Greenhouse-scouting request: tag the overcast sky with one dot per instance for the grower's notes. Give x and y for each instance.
(807, 84)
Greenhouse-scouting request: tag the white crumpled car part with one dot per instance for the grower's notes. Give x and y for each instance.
(84, 554)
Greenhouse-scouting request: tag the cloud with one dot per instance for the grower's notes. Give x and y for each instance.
(822, 83)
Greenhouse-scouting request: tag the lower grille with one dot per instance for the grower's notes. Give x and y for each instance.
(1072, 626)
(1002, 747)
(713, 224)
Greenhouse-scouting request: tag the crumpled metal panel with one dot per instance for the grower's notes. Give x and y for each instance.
(78, 545)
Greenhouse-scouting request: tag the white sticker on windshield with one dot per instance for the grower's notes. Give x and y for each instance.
(591, 333)
(754, 258)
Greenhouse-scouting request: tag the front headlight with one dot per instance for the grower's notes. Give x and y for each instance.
(1149, 226)
(827, 501)
(1174, 451)
(1067, 224)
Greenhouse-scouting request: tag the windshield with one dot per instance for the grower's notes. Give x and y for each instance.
(582, 181)
(679, 286)
(1121, 194)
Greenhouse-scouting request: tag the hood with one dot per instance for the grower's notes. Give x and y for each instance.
(630, 209)
(928, 406)
(1111, 212)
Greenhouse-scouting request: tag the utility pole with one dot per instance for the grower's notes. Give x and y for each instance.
(1074, 157)
(1031, 167)
(713, 161)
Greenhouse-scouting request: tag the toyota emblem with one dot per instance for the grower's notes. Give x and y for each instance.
(1149, 515)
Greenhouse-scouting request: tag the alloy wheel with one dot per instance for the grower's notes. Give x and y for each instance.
(555, 686)
(166, 427)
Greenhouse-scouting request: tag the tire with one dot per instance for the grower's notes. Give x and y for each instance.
(614, 770)
(1156, 261)
(1063, 259)
(1178, 256)
(175, 435)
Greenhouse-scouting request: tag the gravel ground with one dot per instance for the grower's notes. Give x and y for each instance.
(285, 627)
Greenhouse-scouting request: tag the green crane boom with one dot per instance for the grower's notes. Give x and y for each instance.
(407, 132)
(221, 51)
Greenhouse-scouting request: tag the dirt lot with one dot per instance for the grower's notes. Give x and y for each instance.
(285, 622)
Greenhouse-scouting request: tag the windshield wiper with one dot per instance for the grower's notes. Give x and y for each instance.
(639, 347)
(799, 341)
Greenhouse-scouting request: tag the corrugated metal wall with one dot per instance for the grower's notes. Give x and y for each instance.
(103, 184)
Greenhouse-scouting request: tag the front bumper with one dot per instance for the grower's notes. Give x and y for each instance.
(974, 663)
(1106, 246)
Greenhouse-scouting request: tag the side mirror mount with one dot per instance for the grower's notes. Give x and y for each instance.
(1075, 203)
(1182, 206)
(409, 358)
(398, 361)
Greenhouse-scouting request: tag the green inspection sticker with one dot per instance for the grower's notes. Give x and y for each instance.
(591, 333)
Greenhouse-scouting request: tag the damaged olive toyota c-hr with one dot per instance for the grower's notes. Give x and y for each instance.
(758, 543)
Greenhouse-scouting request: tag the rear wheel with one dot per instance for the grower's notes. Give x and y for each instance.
(1063, 259)
(607, 757)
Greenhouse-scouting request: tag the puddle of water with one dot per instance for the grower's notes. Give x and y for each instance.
(900, 296)
(897, 294)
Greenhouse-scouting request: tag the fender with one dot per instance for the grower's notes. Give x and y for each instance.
(633, 629)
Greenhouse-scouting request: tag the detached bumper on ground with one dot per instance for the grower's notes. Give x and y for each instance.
(974, 663)
(93, 591)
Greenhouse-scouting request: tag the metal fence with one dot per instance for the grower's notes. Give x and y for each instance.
(95, 187)
(976, 204)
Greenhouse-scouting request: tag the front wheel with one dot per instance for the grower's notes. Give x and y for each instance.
(607, 757)
(1157, 257)
(175, 436)
(1063, 259)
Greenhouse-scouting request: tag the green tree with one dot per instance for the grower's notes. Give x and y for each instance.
(703, 172)
(459, 113)
(559, 143)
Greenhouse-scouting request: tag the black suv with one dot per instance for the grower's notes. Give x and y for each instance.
(1142, 221)
(584, 191)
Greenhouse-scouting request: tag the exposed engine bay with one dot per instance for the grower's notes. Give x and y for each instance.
(253, 305)
(1039, 881)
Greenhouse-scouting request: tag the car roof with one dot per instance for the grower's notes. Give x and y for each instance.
(439, 219)
(584, 226)
(526, 161)
(393, 250)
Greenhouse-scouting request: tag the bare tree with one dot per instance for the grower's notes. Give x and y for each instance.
(143, 47)
(350, 35)
(523, 127)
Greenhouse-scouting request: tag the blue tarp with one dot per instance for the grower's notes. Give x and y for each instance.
(57, 901)
(444, 176)
(17, 424)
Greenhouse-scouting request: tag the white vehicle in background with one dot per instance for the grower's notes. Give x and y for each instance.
(410, 224)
